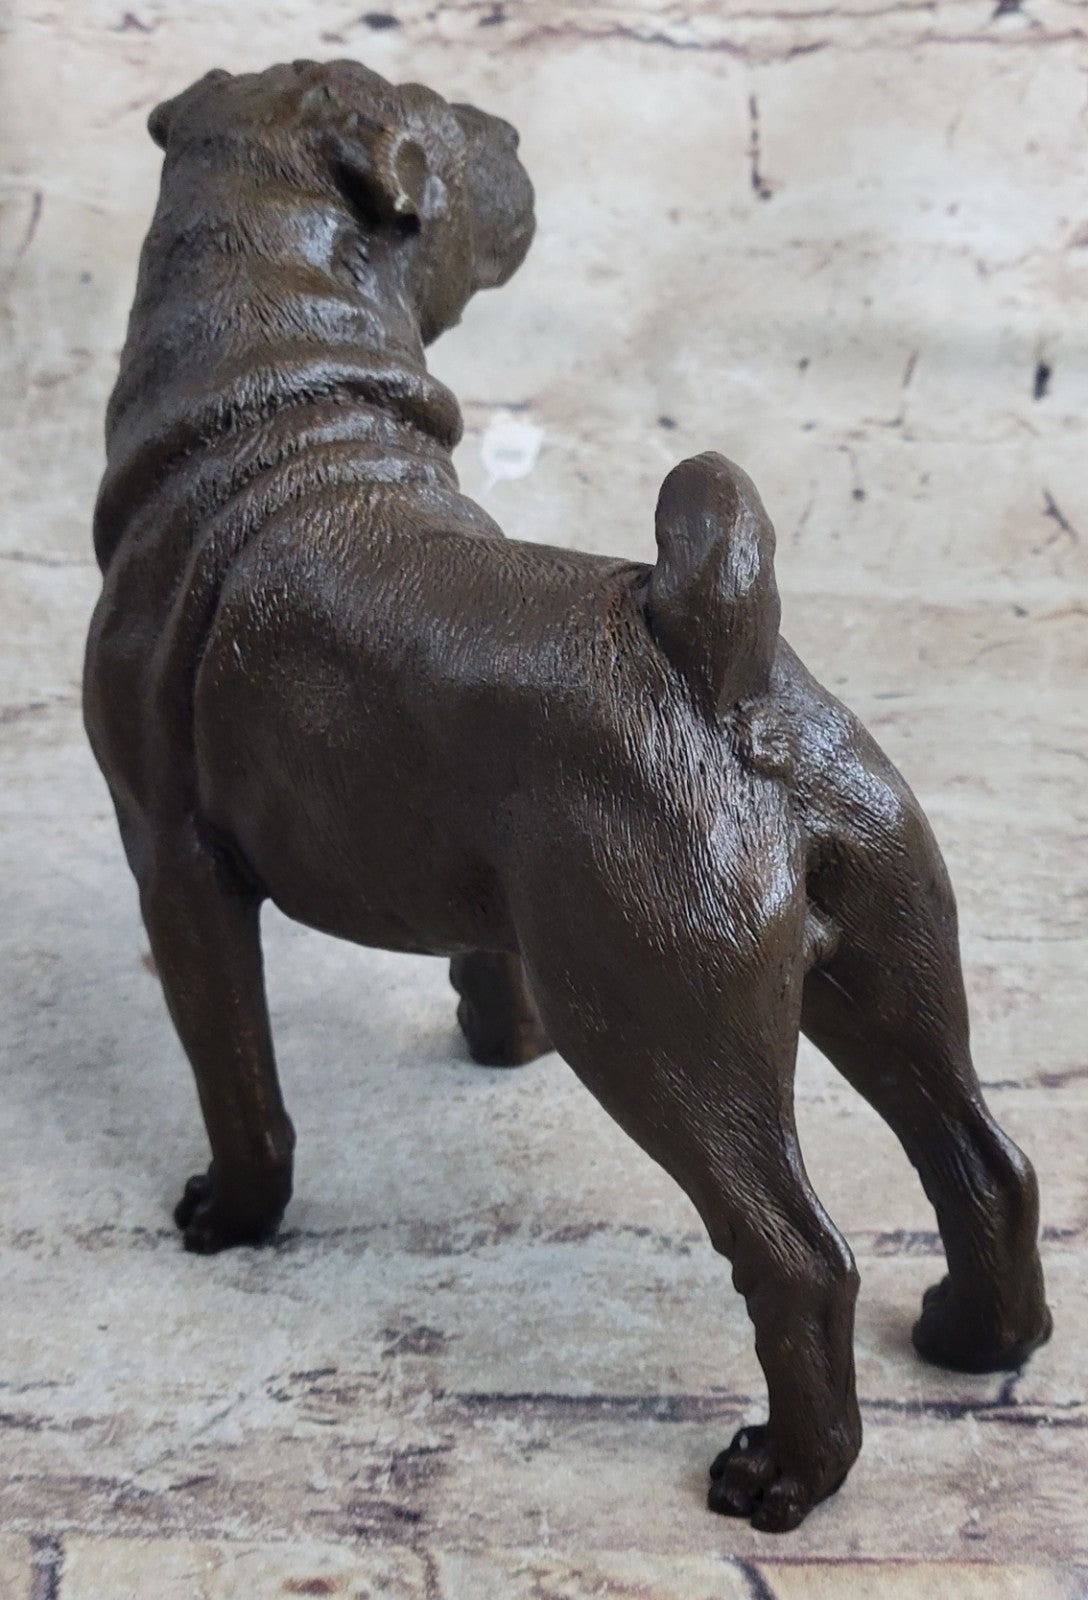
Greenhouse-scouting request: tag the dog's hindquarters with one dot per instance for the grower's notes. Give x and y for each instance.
(666, 963)
(885, 1002)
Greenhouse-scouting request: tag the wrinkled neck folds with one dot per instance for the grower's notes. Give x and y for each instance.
(258, 335)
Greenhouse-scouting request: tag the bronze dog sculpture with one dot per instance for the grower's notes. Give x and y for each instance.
(611, 792)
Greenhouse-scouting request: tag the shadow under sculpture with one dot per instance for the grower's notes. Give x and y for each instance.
(610, 792)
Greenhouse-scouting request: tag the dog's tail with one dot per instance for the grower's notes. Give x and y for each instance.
(713, 605)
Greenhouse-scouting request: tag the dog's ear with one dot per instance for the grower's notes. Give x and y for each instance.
(162, 118)
(384, 170)
(158, 123)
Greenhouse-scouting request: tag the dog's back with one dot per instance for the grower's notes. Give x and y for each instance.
(297, 604)
(271, 354)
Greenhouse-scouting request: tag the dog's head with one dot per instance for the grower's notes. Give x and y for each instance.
(442, 182)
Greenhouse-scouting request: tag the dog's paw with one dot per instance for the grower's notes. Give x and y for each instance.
(748, 1481)
(952, 1334)
(506, 1043)
(212, 1218)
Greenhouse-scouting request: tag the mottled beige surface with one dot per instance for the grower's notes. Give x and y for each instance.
(492, 1355)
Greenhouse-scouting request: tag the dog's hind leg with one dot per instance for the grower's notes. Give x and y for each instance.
(887, 1007)
(205, 938)
(681, 1016)
(497, 1013)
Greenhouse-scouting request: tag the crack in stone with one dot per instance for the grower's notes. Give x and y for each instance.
(702, 28)
(28, 559)
(1050, 509)
(46, 1565)
(758, 1586)
(36, 208)
(760, 186)
(707, 1408)
(754, 53)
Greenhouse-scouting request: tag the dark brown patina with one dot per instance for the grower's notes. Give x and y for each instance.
(319, 675)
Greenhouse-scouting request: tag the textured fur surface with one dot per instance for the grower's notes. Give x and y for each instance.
(318, 674)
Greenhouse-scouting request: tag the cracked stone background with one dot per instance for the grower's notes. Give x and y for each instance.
(492, 1355)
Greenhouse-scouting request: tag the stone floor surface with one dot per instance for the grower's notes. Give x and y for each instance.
(492, 1354)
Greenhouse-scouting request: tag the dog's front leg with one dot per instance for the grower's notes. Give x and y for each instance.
(205, 938)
